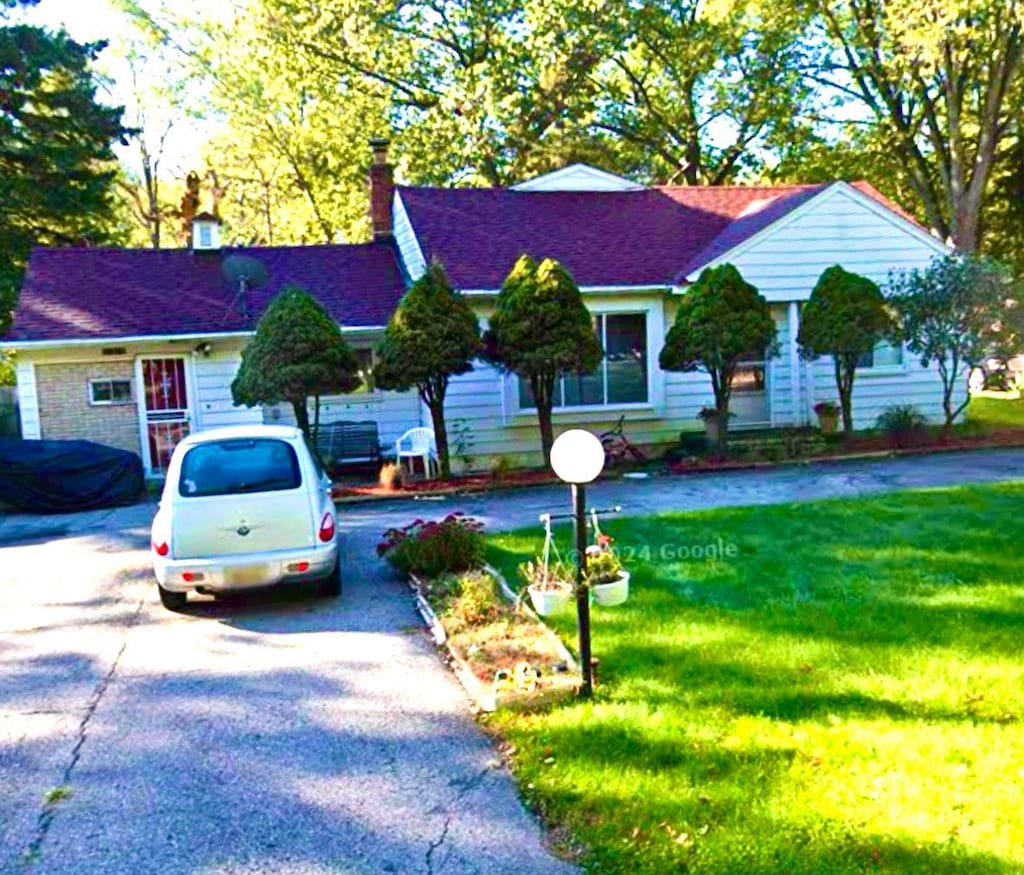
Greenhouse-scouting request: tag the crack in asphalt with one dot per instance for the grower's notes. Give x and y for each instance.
(48, 812)
(465, 787)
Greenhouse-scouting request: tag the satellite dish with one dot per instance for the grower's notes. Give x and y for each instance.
(244, 272)
(244, 268)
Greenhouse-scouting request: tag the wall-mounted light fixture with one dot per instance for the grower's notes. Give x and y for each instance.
(204, 348)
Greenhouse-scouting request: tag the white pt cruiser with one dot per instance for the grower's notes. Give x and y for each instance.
(244, 507)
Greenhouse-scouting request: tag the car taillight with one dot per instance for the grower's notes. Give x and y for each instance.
(327, 527)
(161, 549)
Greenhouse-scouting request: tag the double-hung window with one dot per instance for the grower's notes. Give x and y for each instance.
(884, 355)
(620, 378)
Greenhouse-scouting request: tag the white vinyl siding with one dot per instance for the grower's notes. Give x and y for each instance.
(213, 406)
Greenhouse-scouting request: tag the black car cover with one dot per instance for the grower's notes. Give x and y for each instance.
(65, 476)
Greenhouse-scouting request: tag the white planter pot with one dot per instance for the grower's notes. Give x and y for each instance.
(610, 594)
(549, 601)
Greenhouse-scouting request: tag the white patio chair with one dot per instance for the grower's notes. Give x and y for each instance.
(418, 443)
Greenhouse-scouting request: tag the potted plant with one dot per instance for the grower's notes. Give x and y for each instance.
(712, 424)
(608, 580)
(549, 585)
(828, 416)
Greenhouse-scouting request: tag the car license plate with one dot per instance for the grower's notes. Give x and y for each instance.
(247, 575)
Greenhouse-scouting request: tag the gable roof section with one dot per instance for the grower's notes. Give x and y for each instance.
(759, 218)
(606, 239)
(100, 293)
(651, 237)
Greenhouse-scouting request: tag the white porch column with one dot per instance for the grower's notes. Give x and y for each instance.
(28, 399)
(799, 413)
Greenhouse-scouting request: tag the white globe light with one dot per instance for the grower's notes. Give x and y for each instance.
(577, 456)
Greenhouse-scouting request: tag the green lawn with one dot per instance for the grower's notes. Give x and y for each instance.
(990, 411)
(845, 695)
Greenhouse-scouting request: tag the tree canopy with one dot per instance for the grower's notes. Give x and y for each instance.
(722, 319)
(845, 317)
(541, 329)
(298, 353)
(432, 336)
(57, 167)
(923, 98)
(953, 314)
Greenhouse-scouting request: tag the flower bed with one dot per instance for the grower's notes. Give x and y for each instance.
(500, 650)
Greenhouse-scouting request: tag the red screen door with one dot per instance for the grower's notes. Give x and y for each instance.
(167, 411)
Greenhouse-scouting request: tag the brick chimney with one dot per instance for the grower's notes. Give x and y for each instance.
(382, 189)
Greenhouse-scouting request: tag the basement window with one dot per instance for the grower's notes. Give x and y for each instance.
(104, 392)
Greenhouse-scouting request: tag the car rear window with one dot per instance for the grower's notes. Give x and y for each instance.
(239, 466)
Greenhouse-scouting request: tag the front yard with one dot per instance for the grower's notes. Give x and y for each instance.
(839, 688)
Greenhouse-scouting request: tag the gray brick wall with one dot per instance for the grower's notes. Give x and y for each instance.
(65, 412)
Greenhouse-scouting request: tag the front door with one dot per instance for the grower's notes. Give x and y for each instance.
(749, 402)
(165, 409)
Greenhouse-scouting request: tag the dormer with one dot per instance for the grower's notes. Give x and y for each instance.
(205, 233)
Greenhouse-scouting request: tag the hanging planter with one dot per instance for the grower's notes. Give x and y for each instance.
(548, 585)
(613, 592)
(607, 579)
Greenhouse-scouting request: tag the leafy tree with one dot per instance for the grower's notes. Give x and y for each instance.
(298, 353)
(951, 313)
(541, 329)
(722, 319)
(7, 375)
(845, 317)
(941, 80)
(432, 336)
(695, 92)
(56, 164)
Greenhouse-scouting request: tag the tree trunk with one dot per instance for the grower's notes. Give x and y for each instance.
(844, 386)
(722, 444)
(721, 385)
(543, 396)
(301, 416)
(547, 433)
(435, 402)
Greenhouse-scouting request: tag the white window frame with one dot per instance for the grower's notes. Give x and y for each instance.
(655, 327)
(112, 402)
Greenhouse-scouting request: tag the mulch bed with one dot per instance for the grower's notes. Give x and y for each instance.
(454, 486)
(860, 446)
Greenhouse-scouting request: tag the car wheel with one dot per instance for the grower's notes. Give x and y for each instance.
(330, 587)
(173, 601)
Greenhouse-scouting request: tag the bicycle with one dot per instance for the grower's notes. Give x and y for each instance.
(619, 448)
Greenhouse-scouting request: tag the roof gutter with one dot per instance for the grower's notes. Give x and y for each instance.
(146, 338)
(586, 290)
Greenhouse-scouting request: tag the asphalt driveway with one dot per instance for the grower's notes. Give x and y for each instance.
(283, 733)
(280, 734)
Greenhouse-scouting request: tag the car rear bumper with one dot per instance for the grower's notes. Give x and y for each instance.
(246, 570)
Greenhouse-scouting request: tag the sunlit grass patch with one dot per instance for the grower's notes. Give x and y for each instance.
(991, 411)
(837, 687)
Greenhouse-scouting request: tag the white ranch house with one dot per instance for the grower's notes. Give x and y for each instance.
(135, 348)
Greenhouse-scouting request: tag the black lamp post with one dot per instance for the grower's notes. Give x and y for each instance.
(577, 458)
